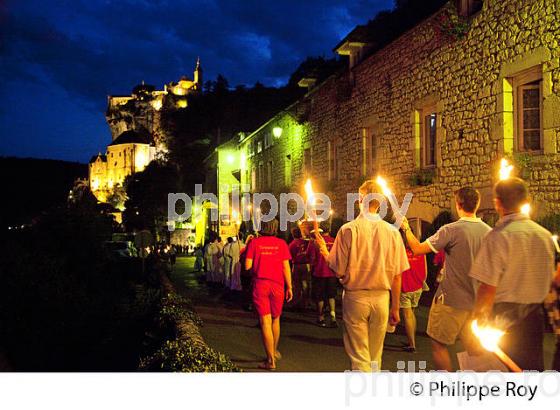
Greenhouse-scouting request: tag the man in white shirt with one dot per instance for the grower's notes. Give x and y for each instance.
(515, 268)
(368, 257)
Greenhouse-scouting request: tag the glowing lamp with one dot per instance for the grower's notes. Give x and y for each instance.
(230, 158)
(526, 209)
(505, 169)
(277, 132)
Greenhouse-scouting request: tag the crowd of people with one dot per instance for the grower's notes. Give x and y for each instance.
(500, 276)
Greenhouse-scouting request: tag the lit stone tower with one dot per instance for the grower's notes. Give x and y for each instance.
(198, 75)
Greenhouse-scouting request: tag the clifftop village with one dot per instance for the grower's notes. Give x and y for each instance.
(433, 110)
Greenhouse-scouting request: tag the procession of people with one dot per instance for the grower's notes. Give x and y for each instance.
(498, 277)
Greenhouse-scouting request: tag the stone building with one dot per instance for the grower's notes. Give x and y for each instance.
(137, 131)
(434, 110)
(127, 154)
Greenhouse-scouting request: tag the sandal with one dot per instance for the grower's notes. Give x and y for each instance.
(278, 355)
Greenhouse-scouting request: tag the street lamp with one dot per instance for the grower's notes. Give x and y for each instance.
(277, 132)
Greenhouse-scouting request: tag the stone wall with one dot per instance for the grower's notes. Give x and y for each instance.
(467, 80)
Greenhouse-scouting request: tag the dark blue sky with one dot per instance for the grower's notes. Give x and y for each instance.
(59, 59)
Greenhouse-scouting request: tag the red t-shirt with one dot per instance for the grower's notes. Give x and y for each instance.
(413, 279)
(320, 266)
(268, 254)
(298, 249)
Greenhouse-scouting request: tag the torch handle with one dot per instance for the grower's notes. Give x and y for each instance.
(505, 359)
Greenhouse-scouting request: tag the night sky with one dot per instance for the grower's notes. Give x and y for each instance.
(59, 59)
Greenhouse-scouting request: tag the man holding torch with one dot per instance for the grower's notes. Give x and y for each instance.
(368, 257)
(515, 267)
(450, 313)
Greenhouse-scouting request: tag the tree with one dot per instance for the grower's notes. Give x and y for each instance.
(147, 191)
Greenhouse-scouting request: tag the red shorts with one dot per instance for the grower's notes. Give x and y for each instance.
(268, 297)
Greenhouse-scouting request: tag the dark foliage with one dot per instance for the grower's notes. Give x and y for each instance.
(64, 304)
(147, 192)
(31, 186)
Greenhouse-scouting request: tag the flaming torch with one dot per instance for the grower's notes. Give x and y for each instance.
(384, 187)
(311, 201)
(489, 338)
(556, 245)
(505, 169)
(526, 209)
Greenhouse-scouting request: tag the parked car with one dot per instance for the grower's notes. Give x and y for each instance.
(121, 249)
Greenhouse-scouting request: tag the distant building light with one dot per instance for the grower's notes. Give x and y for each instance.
(157, 104)
(277, 132)
(182, 104)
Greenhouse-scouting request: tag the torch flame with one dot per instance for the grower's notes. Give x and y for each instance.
(505, 169)
(383, 184)
(309, 192)
(489, 336)
(526, 209)
(555, 240)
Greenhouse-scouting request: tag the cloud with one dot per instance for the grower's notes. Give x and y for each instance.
(91, 48)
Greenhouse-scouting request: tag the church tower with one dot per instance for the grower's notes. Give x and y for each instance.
(198, 75)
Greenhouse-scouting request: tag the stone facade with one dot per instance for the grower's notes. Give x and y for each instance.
(375, 117)
(137, 131)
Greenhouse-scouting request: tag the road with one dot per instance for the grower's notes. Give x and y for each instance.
(305, 347)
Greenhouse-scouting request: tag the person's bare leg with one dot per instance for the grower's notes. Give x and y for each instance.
(276, 336)
(320, 307)
(332, 307)
(442, 359)
(409, 326)
(268, 338)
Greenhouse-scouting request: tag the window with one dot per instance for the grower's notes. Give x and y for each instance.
(332, 160)
(428, 137)
(307, 161)
(253, 179)
(467, 8)
(288, 171)
(259, 146)
(261, 176)
(267, 140)
(369, 151)
(527, 100)
(269, 174)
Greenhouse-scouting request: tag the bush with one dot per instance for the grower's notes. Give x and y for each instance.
(187, 356)
(183, 349)
(64, 306)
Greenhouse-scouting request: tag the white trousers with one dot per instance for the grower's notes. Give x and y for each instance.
(365, 314)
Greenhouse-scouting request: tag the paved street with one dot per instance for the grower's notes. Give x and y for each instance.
(305, 346)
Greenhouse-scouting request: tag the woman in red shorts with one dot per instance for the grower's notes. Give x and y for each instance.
(269, 259)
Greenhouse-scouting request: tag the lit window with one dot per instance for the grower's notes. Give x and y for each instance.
(527, 100)
(259, 146)
(429, 137)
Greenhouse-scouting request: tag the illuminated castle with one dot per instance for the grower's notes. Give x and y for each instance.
(137, 132)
